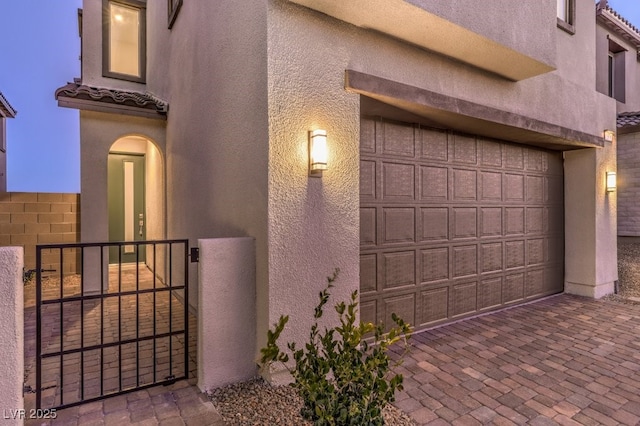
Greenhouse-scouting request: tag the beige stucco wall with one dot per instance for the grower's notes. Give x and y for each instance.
(217, 128)
(98, 132)
(491, 19)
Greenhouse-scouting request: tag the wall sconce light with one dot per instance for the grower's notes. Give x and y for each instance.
(318, 152)
(609, 135)
(611, 181)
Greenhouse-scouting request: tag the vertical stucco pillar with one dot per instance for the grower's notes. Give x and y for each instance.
(226, 311)
(12, 331)
(590, 223)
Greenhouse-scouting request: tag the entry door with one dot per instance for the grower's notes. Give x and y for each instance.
(126, 205)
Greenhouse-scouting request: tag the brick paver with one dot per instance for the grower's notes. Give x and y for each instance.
(564, 360)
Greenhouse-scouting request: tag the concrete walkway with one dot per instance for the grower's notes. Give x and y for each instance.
(564, 360)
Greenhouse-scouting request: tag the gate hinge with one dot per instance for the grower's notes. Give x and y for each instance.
(194, 254)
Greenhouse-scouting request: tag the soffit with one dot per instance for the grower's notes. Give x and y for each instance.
(417, 26)
(83, 97)
(453, 113)
(6, 110)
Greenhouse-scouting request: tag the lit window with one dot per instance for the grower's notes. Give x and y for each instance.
(124, 39)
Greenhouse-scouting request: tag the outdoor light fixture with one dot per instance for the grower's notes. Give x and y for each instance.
(318, 152)
(611, 181)
(609, 135)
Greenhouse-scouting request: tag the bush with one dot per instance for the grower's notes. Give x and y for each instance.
(342, 378)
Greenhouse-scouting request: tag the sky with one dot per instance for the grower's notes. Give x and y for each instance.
(39, 53)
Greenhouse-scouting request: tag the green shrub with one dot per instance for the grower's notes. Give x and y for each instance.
(342, 378)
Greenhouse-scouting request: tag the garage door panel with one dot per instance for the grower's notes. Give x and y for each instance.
(465, 261)
(398, 181)
(465, 149)
(490, 293)
(464, 184)
(535, 222)
(514, 157)
(434, 145)
(490, 186)
(368, 273)
(491, 222)
(368, 136)
(434, 224)
(434, 306)
(398, 269)
(367, 180)
(464, 224)
(534, 283)
(513, 289)
(369, 311)
(535, 192)
(435, 264)
(398, 225)
(453, 224)
(491, 257)
(514, 187)
(463, 299)
(534, 160)
(535, 251)
(514, 220)
(514, 257)
(491, 154)
(398, 140)
(402, 305)
(434, 183)
(368, 226)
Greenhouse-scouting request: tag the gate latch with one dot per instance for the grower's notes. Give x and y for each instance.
(194, 254)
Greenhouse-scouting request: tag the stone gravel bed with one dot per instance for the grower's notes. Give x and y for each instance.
(257, 402)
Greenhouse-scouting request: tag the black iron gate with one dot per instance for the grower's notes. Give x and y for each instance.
(107, 329)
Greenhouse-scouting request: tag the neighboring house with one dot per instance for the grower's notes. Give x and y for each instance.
(466, 151)
(6, 111)
(618, 76)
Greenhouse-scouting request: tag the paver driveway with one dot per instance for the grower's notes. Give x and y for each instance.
(562, 360)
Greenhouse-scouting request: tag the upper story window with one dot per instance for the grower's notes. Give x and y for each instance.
(566, 15)
(124, 39)
(616, 72)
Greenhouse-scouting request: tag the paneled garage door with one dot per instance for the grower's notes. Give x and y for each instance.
(452, 225)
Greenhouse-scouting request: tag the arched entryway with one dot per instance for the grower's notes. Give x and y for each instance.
(136, 196)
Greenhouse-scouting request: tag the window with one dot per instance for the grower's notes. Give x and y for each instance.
(616, 71)
(124, 39)
(173, 7)
(566, 12)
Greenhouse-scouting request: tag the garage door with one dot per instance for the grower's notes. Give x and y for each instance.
(452, 225)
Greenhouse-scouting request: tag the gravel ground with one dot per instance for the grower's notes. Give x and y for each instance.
(629, 269)
(258, 403)
(628, 272)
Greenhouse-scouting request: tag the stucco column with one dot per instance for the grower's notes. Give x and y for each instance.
(226, 311)
(12, 332)
(590, 223)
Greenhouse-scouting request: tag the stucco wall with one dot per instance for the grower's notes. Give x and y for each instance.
(576, 51)
(217, 129)
(491, 18)
(628, 184)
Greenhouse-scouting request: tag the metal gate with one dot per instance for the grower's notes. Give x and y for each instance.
(104, 330)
